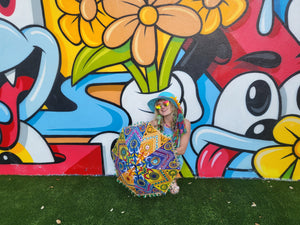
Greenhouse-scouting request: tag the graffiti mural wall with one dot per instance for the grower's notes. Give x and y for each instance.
(74, 73)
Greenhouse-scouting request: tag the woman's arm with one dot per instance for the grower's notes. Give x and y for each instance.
(185, 138)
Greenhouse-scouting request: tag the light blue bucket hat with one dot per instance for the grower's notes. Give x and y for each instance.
(165, 96)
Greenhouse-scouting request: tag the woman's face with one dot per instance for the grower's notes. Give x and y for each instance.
(164, 107)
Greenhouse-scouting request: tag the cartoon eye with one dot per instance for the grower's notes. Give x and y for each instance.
(258, 97)
(290, 96)
(9, 158)
(248, 105)
(293, 17)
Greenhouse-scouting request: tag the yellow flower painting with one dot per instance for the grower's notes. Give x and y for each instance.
(83, 20)
(217, 12)
(281, 161)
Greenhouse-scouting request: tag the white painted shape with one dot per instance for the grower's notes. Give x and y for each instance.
(11, 76)
(293, 16)
(35, 144)
(231, 111)
(106, 139)
(27, 12)
(289, 95)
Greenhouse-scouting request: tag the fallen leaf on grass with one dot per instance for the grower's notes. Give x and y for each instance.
(112, 209)
(253, 204)
(228, 202)
(42, 207)
(123, 212)
(58, 221)
(190, 183)
(290, 187)
(51, 187)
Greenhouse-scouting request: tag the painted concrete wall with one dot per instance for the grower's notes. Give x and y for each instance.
(74, 73)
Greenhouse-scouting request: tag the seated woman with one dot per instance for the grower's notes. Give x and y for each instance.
(170, 121)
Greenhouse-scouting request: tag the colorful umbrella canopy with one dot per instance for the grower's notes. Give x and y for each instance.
(145, 161)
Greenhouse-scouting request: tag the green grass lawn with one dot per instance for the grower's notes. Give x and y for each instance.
(80, 200)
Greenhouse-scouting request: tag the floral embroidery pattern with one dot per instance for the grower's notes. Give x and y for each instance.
(281, 161)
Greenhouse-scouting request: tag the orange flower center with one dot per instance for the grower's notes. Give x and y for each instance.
(88, 9)
(148, 15)
(297, 149)
(211, 3)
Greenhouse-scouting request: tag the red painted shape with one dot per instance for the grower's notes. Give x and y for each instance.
(80, 159)
(89, 164)
(9, 10)
(9, 95)
(244, 39)
(213, 161)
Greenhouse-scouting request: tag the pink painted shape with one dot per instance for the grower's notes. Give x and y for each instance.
(213, 161)
(80, 159)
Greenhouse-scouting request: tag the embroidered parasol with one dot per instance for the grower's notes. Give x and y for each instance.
(145, 160)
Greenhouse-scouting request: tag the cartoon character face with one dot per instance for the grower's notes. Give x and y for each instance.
(254, 101)
(29, 63)
(275, 53)
(259, 85)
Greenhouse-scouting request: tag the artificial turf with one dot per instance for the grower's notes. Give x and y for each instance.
(80, 200)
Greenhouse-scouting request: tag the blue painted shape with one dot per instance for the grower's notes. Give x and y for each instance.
(240, 174)
(92, 115)
(208, 95)
(12, 42)
(280, 7)
(5, 115)
(265, 22)
(242, 161)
